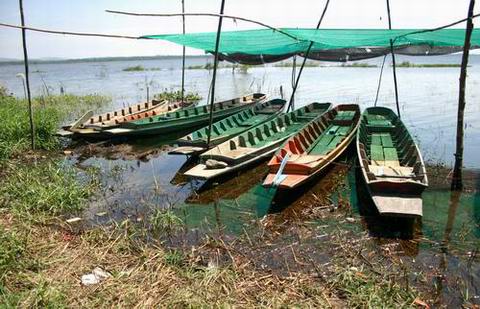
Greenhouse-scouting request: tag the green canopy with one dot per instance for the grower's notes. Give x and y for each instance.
(267, 45)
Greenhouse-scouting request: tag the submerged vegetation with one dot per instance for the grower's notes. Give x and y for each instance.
(175, 96)
(49, 112)
(136, 68)
(140, 68)
(358, 65)
(407, 64)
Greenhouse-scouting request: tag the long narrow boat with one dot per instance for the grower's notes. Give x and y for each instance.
(311, 150)
(391, 163)
(256, 144)
(196, 142)
(89, 123)
(117, 114)
(189, 118)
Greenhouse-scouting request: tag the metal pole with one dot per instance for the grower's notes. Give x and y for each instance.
(457, 182)
(215, 64)
(27, 80)
(305, 56)
(183, 55)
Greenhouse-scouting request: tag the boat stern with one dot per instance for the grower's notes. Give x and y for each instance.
(398, 205)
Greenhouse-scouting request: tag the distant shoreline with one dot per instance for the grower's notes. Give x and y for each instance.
(100, 59)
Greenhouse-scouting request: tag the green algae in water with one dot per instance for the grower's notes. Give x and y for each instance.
(231, 215)
(452, 217)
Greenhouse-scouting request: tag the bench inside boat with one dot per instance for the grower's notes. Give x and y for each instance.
(387, 150)
(318, 141)
(242, 147)
(239, 122)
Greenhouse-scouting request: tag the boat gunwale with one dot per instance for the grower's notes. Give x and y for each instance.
(330, 157)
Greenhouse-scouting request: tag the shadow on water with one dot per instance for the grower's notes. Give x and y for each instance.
(377, 225)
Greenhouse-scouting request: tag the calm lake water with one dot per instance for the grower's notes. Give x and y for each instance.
(428, 96)
(445, 239)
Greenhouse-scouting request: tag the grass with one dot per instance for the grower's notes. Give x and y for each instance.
(142, 276)
(407, 64)
(175, 96)
(49, 112)
(136, 68)
(165, 221)
(43, 190)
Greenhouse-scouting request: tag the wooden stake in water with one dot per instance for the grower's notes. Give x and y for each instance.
(457, 182)
(215, 64)
(27, 80)
(183, 54)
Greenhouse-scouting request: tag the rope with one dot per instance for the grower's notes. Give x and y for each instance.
(380, 80)
(205, 14)
(305, 56)
(71, 33)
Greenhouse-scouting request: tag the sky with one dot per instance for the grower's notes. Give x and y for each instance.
(90, 16)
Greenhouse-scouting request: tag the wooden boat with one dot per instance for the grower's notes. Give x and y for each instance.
(311, 150)
(196, 142)
(90, 123)
(256, 144)
(189, 118)
(391, 163)
(117, 114)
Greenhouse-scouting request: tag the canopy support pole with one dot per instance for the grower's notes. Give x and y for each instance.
(394, 66)
(380, 80)
(457, 181)
(215, 64)
(27, 79)
(183, 55)
(384, 57)
(305, 57)
(395, 78)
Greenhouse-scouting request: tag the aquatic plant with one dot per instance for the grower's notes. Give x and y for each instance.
(136, 68)
(165, 221)
(358, 65)
(407, 64)
(175, 96)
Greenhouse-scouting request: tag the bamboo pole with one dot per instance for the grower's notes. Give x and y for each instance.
(457, 181)
(394, 66)
(292, 97)
(215, 64)
(27, 80)
(395, 78)
(183, 55)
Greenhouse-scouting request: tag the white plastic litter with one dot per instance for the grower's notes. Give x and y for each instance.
(95, 277)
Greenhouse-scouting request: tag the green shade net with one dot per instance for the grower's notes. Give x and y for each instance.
(266, 45)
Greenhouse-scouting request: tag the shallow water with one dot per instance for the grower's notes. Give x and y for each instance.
(428, 96)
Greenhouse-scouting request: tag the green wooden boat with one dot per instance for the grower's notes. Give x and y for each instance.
(189, 118)
(391, 163)
(256, 144)
(196, 142)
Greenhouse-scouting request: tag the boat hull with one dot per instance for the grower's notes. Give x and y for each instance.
(303, 165)
(391, 164)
